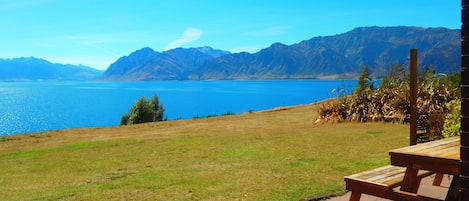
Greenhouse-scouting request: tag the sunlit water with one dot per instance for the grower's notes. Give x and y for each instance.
(40, 106)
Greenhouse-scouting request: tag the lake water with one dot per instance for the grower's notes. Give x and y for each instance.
(40, 106)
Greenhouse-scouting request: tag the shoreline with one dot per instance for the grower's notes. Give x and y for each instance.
(72, 131)
(275, 109)
(42, 107)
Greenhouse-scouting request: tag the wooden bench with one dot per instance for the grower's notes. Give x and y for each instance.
(378, 182)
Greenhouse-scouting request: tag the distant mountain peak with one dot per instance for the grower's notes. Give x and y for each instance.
(144, 51)
(278, 45)
(28, 59)
(36, 69)
(213, 52)
(205, 48)
(147, 64)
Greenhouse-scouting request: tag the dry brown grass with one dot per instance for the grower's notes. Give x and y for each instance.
(283, 118)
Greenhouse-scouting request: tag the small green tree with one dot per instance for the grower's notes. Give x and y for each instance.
(143, 111)
(364, 82)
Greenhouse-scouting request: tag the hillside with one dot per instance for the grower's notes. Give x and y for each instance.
(339, 56)
(270, 155)
(343, 55)
(34, 69)
(147, 64)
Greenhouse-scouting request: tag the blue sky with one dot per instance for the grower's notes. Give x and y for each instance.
(97, 32)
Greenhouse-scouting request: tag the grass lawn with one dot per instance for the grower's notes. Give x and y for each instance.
(269, 155)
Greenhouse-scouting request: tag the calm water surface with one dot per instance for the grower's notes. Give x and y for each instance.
(40, 106)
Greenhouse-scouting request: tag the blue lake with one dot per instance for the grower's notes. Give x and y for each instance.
(40, 106)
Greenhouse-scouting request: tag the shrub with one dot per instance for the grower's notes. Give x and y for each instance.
(143, 111)
(452, 125)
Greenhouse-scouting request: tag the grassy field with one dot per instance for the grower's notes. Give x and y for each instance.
(271, 155)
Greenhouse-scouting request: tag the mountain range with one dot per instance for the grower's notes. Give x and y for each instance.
(339, 56)
(35, 69)
(147, 64)
(329, 57)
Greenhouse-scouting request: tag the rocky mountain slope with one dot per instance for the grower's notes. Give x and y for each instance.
(342, 55)
(147, 64)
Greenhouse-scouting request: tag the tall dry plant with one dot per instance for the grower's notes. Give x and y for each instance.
(391, 100)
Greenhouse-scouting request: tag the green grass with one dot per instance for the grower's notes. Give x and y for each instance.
(208, 159)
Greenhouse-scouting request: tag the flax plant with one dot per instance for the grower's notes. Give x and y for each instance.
(391, 100)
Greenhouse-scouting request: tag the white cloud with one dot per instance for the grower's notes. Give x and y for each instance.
(189, 35)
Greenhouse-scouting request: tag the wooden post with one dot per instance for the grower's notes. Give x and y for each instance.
(413, 96)
(464, 165)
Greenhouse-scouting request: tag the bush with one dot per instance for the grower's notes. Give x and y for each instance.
(143, 111)
(452, 125)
